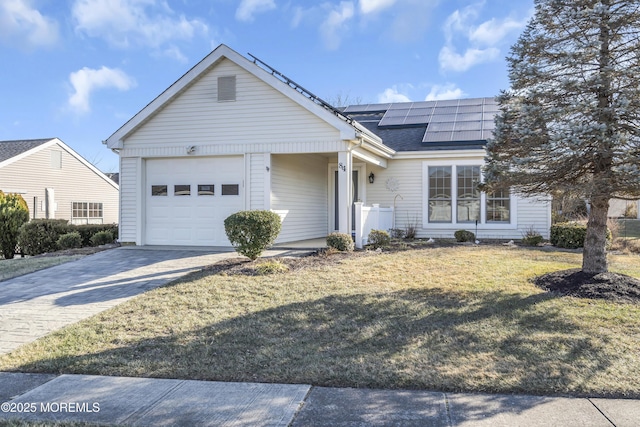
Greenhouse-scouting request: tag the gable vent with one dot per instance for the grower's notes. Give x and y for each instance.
(227, 88)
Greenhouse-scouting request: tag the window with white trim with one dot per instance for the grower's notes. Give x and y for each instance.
(468, 206)
(453, 197)
(86, 210)
(498, 206)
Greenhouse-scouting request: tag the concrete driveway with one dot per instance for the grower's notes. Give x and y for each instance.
(36, 304)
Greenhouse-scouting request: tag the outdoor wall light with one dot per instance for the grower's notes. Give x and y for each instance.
(372, 177)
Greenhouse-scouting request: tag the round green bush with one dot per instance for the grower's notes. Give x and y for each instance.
(340, 241)
(379, 239)
(70, 240)
(101, 238)
(464, 236)
(251, 232)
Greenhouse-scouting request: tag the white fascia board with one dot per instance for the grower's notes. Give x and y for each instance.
(369, 157)
(86, 163)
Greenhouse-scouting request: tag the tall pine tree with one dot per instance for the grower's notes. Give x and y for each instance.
(571, 119)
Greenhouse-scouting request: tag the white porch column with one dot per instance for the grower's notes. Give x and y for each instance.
(358, 225)
(345, 162)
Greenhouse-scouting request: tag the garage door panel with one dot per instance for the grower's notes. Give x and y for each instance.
(191, 219)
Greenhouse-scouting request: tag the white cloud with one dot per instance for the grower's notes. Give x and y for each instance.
(87, 80)
(482, 42)
(23, 25)
(373, 6)
(451, 60)
(392, 94)
(494, 31)
(442, 92)
(140, 23)
(249, 8)
(336, 23)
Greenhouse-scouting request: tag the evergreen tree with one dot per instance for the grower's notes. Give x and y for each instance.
(571, 119)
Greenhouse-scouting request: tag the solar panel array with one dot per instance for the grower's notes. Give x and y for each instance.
(446, 121)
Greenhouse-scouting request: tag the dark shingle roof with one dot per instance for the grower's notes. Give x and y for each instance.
(429, 125)
(9, 149)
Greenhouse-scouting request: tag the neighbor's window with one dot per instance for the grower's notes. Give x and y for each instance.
(468, 204)
(230, 189)
(440, 194)
(86, 210)
(158, 190)
(206, 189)
(498, 206)
(181, 190)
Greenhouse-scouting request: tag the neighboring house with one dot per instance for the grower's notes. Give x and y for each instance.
(234, 134)
(619, 207)
(56, 182)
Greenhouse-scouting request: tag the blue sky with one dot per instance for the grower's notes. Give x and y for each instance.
(79, 69)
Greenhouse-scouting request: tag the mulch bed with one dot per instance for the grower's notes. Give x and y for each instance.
(609, 286)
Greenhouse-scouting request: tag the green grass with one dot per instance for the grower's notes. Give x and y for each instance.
(450, 319)
(19, 266)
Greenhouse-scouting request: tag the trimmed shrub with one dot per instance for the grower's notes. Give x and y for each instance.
(340, 241)
(571, 235)
(88, 230)
(13, 214)
(379, 238)
(531, 237)
(41, 235)
(464, 236)
(70, 240)
(101, 238)
(251, 232)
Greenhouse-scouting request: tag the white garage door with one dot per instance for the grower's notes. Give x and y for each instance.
(188, 199)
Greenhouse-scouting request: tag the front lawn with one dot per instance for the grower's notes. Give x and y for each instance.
(460, 318)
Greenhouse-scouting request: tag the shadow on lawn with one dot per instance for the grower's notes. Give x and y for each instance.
(416, 339)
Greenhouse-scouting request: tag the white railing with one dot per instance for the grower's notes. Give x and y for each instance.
(371, 218)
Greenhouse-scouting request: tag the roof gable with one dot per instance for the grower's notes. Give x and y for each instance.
(21, 149)
(347, 131)
(11, 149)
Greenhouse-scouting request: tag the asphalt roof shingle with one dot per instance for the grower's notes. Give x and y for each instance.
(9, 149)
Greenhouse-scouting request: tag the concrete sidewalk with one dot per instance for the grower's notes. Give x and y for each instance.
(167, 402)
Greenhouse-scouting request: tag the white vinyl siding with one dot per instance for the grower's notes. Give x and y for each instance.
(410, 200)
(258, 176)
(299, 195)
(73, 182)
(129, 195)
(407, 175)
(259, 114)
